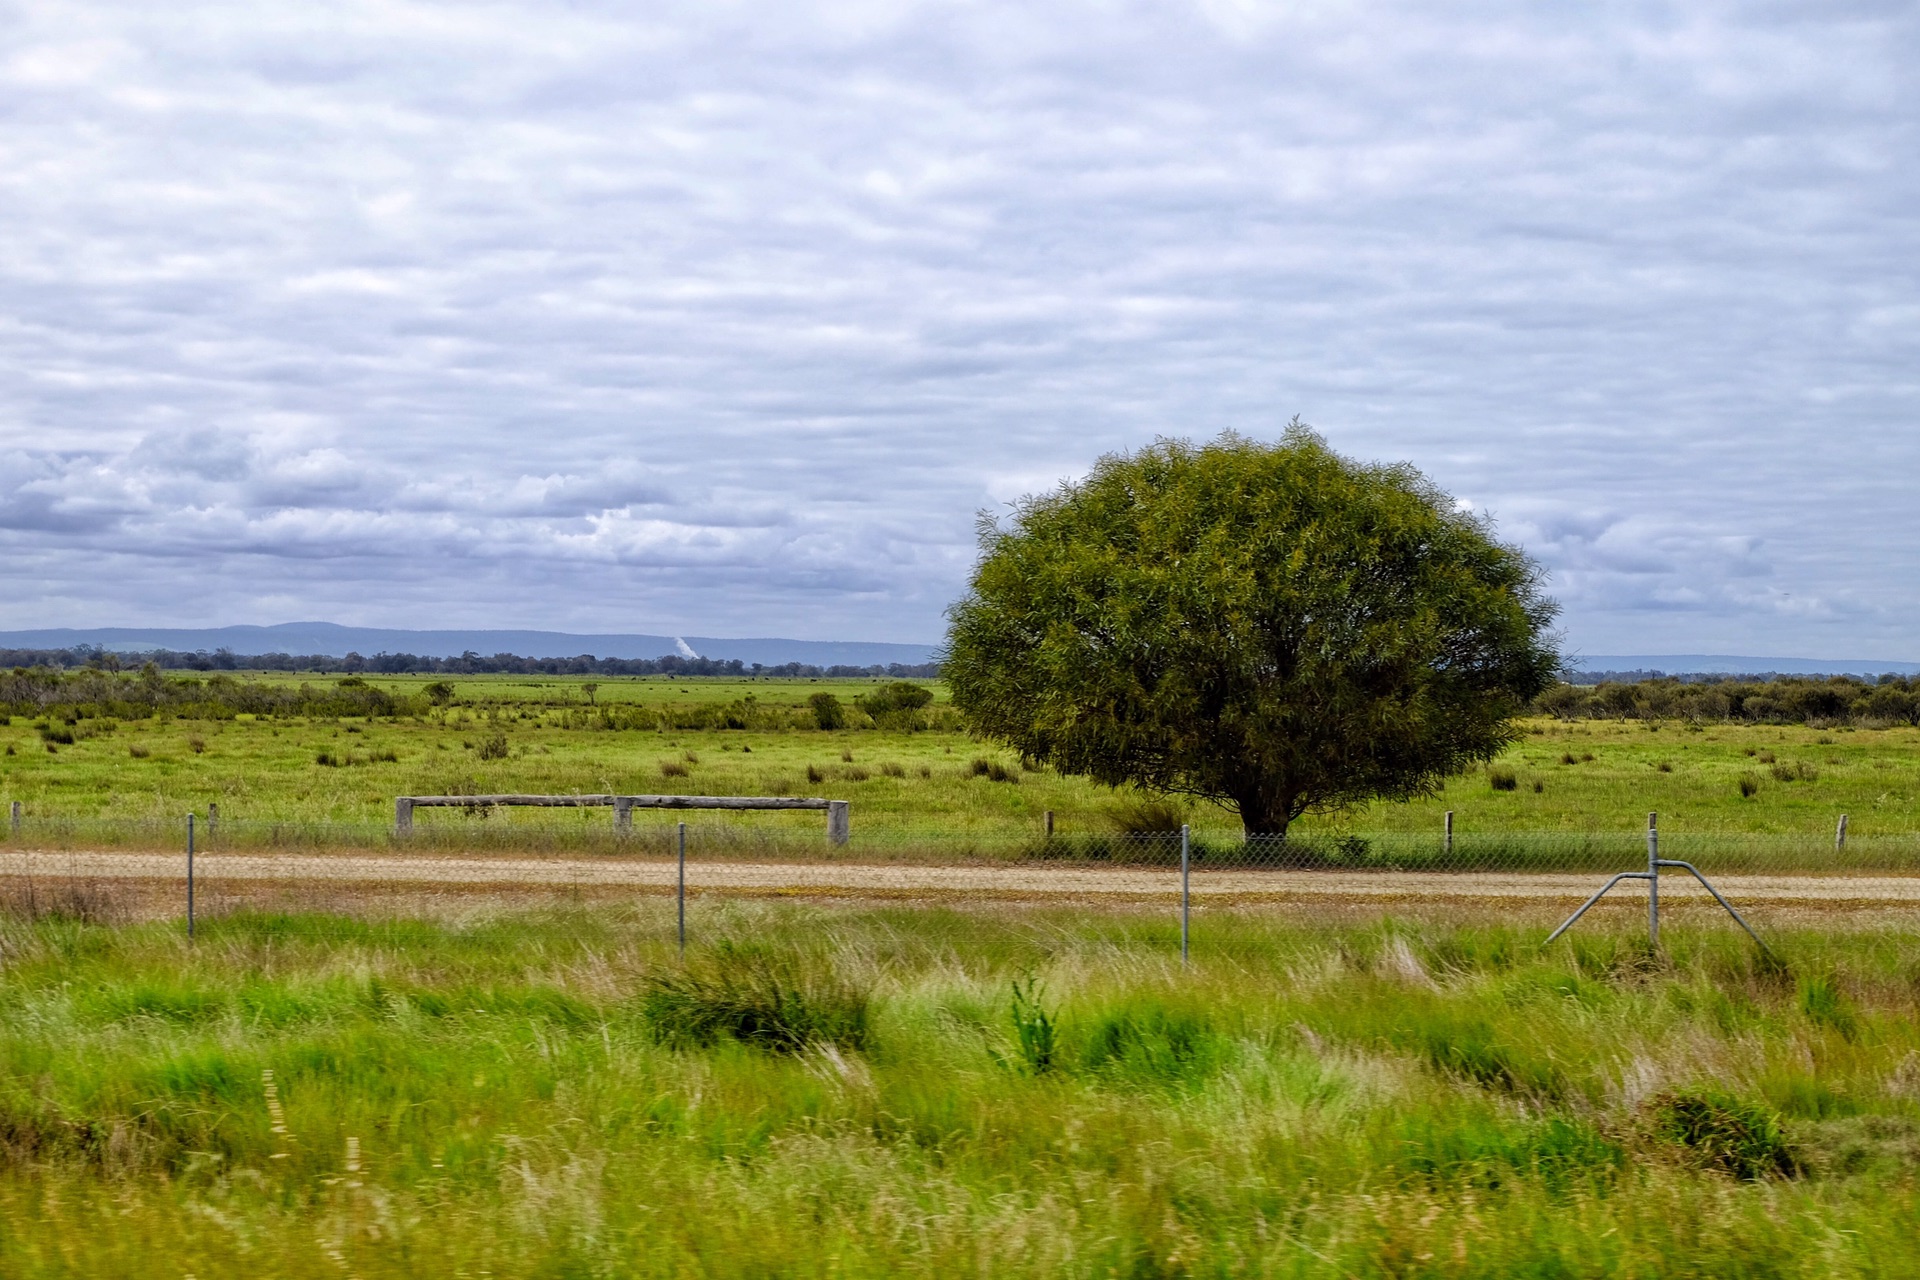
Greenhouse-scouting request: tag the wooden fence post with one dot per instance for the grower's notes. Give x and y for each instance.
(1840, 834)
(403, 816)
(839, 822)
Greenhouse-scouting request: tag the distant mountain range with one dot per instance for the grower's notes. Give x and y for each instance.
(1675, 664)
(332, 640)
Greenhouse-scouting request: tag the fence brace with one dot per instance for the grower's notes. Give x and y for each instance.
(1652, 876)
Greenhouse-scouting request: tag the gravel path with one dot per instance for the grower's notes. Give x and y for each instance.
(1018, 880)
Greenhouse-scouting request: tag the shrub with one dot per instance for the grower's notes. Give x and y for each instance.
(439, 693)
(1154, 1044)
(1566, 757)
(1798, 772)
(493, 748)
(855, 775)
(814, 774)
(672, 769)
(328, 759)
(759, 998)
(1503, 779)
(197, 745)
(899, 696)
(846, 755)
(385, 756)
(1147, 815)
(992, 770)
(1749, 786)
(1824, 1005)
(827, 711)
(137, 751)
(893, 770)
(1726, 1134)
(1035, 1034)
(51, 735)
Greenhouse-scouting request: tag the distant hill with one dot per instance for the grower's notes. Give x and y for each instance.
(333, 640)
(1642, 665)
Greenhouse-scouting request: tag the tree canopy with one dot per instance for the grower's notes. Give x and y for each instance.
(1273, 627)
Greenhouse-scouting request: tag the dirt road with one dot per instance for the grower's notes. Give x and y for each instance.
(1017, 881)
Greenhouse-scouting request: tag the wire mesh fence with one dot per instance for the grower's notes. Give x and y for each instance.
(542, 837)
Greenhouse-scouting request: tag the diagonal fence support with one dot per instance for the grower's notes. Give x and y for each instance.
(1652, 876)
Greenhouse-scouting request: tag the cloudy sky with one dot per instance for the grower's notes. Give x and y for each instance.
(726, 318)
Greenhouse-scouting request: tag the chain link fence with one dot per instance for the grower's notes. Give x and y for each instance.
(100, 867)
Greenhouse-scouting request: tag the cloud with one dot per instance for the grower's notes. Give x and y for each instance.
(727, 318)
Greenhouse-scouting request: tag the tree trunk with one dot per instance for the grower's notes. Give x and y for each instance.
(1262, 816)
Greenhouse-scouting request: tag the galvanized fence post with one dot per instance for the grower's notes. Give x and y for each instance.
(189, 876)
(1186, 901)
(1653, 879)
(1840, 835)
(682, 890)
(1448, 850)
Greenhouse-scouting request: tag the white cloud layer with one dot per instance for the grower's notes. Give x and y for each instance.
(725, 318)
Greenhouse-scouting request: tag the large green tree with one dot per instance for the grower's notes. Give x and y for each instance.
(1274, 627)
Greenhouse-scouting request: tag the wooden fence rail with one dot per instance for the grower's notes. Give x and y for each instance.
(839, 818)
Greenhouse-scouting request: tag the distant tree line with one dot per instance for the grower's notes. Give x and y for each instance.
(65, 705)
(1818, 701)
(468, 663)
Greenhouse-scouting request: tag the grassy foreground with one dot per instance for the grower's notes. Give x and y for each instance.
(839, 1092)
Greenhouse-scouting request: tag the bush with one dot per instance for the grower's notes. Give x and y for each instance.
(992, 770)
(137, 751)
(493, 748)
(328, 760)
(1502, 779)
(1036, 1036)
(827, 712)
(439, 693)
(1147, 815)
(1723, 1133)
(1749, 786)
(901, 695)
(197, 745)
(767, 1000)
(672, 769)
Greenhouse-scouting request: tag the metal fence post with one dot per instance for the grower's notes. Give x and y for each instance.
(1449, 841)
(1186, 848)
(189, 876)
(1653, 879)
(1840, 835)
(682, 891)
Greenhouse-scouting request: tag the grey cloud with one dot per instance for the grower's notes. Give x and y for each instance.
(727, 318)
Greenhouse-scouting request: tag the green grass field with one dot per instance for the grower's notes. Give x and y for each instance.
(830, 1091)
(550, 734)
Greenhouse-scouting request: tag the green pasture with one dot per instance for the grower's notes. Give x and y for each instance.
(833, 1092)
(918, 775)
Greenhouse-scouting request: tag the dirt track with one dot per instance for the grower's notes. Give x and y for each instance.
(1020, 881)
